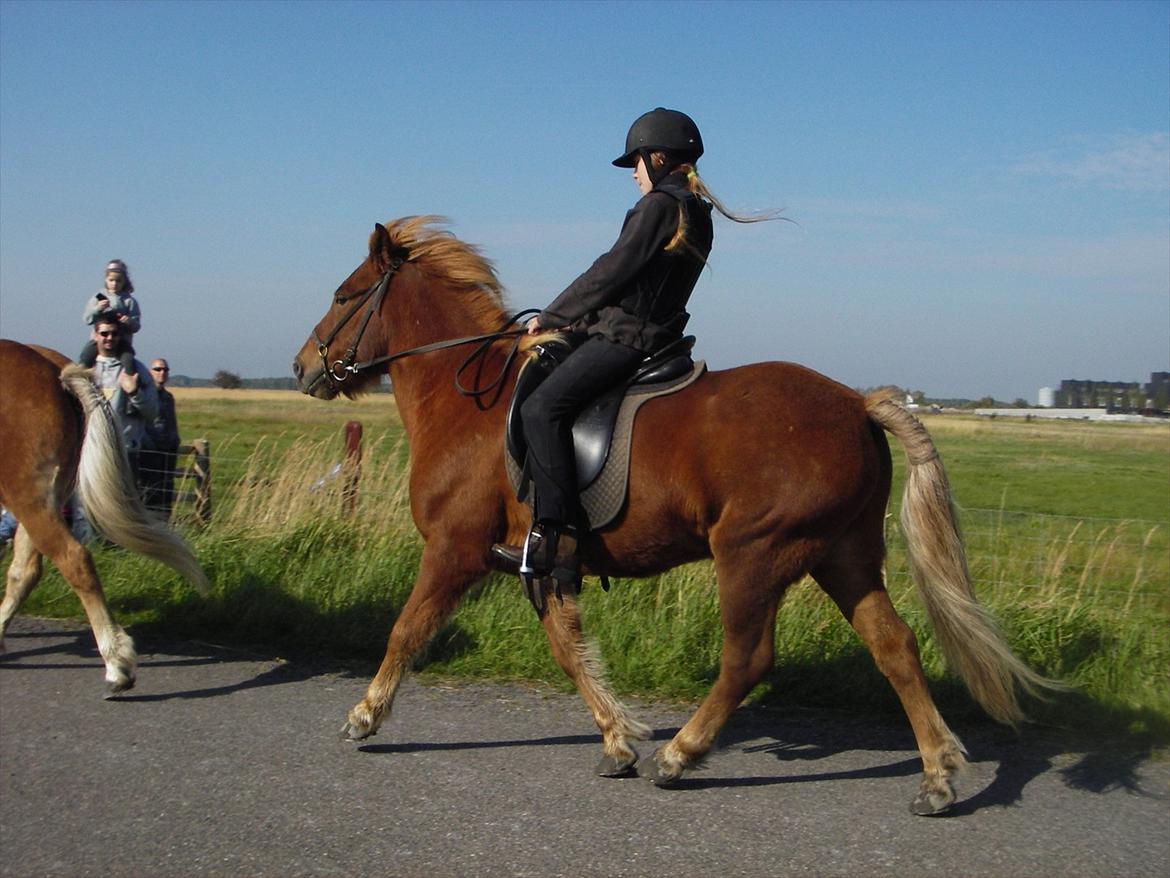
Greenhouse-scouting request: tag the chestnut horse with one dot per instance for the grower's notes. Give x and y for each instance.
(59, 436)
(781, 472)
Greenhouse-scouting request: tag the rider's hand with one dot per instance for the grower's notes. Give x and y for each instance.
(534, 327)
(128, 381)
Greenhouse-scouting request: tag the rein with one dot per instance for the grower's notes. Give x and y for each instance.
(347, 366)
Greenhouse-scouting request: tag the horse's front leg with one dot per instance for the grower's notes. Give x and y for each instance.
(581, 662)
(446, 573)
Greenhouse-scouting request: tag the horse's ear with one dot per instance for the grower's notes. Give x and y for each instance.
(380, 246)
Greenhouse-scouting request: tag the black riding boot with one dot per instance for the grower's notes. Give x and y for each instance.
(549, 552)
(545, 542)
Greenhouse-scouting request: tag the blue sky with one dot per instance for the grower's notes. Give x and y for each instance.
(980, 191)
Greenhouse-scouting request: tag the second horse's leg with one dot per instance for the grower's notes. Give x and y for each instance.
(23, 575)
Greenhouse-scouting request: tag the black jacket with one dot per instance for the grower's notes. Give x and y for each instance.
(162, 434)
(636, 294)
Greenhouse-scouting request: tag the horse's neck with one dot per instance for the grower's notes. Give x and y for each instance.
(424, 384)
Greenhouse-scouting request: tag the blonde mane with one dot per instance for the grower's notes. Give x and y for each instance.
(438, 252)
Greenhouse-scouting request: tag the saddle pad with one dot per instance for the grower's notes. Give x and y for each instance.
(605, 497)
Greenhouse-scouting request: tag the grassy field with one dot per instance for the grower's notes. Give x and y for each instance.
(1068, 529)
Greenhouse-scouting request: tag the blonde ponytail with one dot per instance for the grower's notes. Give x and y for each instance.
(696, 185)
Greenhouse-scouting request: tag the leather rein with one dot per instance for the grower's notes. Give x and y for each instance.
(342, 369)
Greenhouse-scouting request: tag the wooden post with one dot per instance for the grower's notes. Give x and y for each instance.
(352, 467)
(202, 469)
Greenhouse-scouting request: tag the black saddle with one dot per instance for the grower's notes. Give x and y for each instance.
(593, 429)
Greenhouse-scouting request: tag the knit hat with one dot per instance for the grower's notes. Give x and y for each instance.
(120, 267)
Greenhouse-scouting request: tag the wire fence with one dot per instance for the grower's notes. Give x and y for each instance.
(1060, 558)
(1047, 557)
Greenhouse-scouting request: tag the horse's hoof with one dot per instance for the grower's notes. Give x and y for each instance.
(115, 688)
(350, 732)
(660, 777)
(611, 766)
(932, 803)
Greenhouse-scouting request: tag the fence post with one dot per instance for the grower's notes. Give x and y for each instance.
(202, 469)
(352, 468)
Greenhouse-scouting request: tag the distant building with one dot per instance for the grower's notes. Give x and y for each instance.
(1115, 396)
(1158, 391)
(1046, 399)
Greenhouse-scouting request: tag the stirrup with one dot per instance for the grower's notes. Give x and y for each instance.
(540, 549)
(542, 563)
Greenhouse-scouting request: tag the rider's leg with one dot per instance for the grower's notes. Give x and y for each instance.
(548, 416)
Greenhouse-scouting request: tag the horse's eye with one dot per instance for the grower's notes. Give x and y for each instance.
(339, 299)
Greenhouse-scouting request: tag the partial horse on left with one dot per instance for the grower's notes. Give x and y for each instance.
(58, 437)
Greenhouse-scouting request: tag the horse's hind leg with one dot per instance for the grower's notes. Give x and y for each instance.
(750, 586)
(858, 590)
(582, 664)
(51, 537)
(23, 575)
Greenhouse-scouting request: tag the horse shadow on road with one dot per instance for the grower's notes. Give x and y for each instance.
(798, 737)
(1014, 759)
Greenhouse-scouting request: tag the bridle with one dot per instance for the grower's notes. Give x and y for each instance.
(342, 369)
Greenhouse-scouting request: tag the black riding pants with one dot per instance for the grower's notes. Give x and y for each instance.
(548, 416)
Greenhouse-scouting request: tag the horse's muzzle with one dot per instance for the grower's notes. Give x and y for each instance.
(314, 382)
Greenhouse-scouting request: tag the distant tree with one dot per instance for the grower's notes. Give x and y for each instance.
(227, 380)
(1021, 403)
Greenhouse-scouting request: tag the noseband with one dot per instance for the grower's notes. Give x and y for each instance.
(340, 370)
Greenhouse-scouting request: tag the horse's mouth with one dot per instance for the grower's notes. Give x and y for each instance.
(314, 383)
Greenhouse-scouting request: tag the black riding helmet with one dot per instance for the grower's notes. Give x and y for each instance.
(662, 130)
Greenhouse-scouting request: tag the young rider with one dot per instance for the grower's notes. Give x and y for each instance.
(630, 304)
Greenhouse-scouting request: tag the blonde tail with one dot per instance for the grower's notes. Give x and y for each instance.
(969, 636)
(105, 485)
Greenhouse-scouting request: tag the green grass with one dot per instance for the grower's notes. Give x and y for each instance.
(1067, 527)
(1071, 468)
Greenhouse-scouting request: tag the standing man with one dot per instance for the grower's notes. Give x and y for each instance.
(132, 396)
(157, 475)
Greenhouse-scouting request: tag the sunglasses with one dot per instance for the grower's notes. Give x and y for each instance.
(159, 369)
(111, 334)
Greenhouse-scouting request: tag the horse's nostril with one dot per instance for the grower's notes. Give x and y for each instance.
(298, 370)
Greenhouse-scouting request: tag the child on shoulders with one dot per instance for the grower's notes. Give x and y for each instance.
(118, 298)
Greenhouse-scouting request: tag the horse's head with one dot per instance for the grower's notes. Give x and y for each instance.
(334, 357)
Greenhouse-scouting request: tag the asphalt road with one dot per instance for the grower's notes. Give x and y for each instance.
(226, 763)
